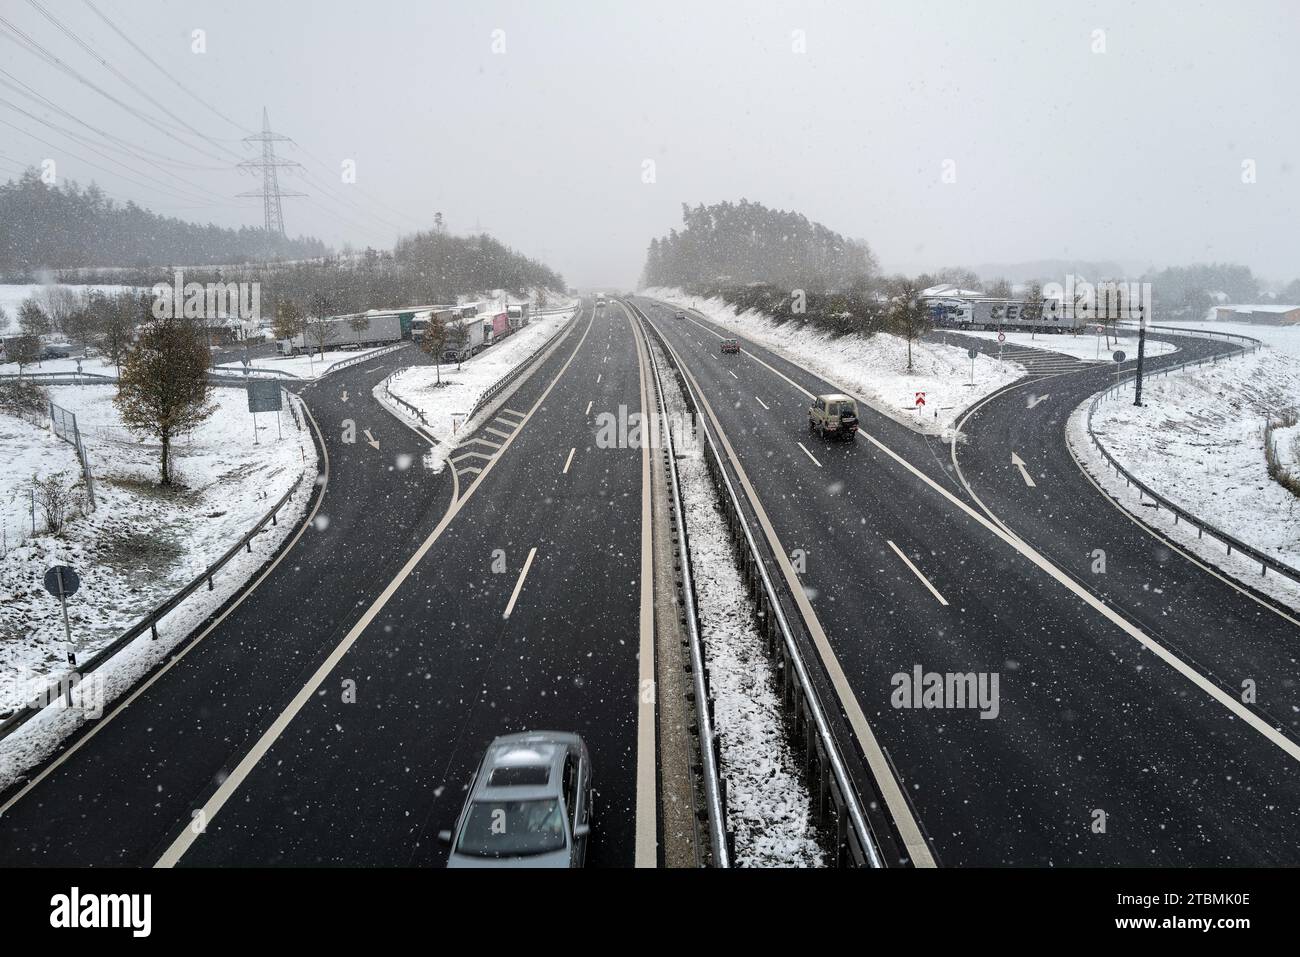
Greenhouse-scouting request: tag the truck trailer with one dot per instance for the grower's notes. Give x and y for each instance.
(380, 329)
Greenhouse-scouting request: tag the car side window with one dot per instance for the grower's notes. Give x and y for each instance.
(571, 790)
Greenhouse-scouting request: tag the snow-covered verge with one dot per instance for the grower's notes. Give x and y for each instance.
(445, 406)
(305, 367)
(1198, 440)
(768, 806)
(139, 547)
(12, 296)
(1282, 338)
(1086, 348)
(872, 369)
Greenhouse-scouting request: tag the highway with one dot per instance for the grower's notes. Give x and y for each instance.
(1107, 749)
(456, 653)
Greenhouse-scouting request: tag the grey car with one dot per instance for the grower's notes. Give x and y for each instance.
(529, 805)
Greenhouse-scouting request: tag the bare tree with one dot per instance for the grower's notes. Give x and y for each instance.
(359, 324)
(60, 304)
(164, 390)
(290, 320)
(54, 497)
(25, 350)
(906, 315)
(318, 331)
(115, 320)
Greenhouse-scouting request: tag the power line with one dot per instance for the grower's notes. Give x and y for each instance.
(136, 47)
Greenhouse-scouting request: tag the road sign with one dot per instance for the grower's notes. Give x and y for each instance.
(61, 581)
(1119, 355)
(1002, 337)
(972, 353)
(920, 399)
(264, 395)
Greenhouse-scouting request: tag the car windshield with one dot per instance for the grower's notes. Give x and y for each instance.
(512, 828)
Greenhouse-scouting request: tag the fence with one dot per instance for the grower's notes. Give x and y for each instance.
(1265, 561)
(64, 425)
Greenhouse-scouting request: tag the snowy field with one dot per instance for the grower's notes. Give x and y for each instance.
(768, 806)
(1199, 441)
(1282, 338)
(305, 367)
(873, 369)
(141, 544)
(445, 406)
(1086, 348)
(11, 297)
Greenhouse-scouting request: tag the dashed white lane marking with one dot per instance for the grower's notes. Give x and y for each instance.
(519, 585)
(917, 572)
(568, 461)
(761, 402)
(599, 377)
(589, 405)
(733, 375)
(809, 454)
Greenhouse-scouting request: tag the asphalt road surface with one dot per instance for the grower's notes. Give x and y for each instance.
(1105, 749)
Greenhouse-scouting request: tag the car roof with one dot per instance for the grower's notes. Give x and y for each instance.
(531, 766)
(837, 397)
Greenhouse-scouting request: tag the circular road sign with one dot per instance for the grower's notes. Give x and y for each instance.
(1119, 355)
(1002, 337)
(972, 353)
(61, 581)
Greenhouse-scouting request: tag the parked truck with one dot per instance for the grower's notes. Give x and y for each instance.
(380, 329)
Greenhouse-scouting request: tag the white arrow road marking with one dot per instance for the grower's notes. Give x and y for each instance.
(917, 572)
(809, 454)
(528, 563)
(345, 396)
(1033, 400)
(370, 440)
(1019, 463)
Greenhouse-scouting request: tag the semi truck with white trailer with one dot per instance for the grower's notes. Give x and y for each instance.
(338, 332)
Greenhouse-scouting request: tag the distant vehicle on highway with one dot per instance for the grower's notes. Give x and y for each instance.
(56, 351)
(833, 416)
(528, 806)
(730, 345)
(680, 315)
(600, 303)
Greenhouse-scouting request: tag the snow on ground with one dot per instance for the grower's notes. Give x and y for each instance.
(304, 367)
(12, 296)
(1282, 338)
(97, 365)
(872, 369)
(1086, 348)
(768, 807)
(1198, 440)
(137, 548)
(445, 406)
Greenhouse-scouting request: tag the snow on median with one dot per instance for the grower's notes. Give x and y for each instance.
(445, 406)
(140, 546)
(1198, 440)
(872, 368)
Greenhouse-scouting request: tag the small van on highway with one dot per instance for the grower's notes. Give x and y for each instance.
(730, 345)
(834, 416)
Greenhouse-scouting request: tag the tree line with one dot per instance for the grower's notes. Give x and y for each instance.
(45, 227)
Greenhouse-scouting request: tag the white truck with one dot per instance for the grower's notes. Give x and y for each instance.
(379, 329)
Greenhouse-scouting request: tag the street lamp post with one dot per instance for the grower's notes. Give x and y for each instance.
(1142, 348)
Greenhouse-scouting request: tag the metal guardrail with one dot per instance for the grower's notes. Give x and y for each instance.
(835, 794)
(1207, 333)
(497, 387)
(720, 838)
(364, 357)
(1266, 562)
(150, 621)
(418, 413)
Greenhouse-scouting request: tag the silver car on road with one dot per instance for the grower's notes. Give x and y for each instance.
(529, 805)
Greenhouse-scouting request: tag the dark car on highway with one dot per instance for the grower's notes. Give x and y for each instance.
(730, 345)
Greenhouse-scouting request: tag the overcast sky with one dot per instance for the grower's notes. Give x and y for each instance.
(1133, 154)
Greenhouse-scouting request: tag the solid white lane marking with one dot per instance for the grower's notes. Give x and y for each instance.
(497, 432)
(491, 445)
(1019, 463)
(519, 415)
(471, 455)
(567, 461)
(761, 402)
(917, 572)
(589, 405)
(809, 454)
(647, 792)
(176, 850)
(519, 585)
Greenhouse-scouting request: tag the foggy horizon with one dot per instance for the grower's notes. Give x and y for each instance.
(1060, 151)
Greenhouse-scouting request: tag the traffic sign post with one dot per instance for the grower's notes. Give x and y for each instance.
(972, 352)
(1002, 337)
(61, 582)
(920, 402)
(1119, 358)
